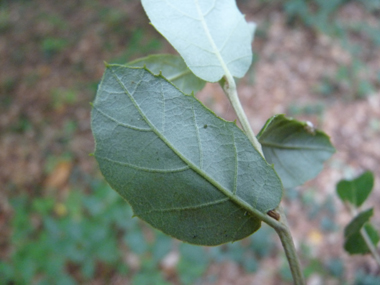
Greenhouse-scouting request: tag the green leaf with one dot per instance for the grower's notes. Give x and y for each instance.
(211, 36)
(296, 149)
(357, 223)
(356, 191)
(354, 242)
(185, 171)
(174, 69)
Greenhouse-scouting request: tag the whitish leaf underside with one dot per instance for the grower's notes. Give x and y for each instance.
(178, 165)
(211, 35)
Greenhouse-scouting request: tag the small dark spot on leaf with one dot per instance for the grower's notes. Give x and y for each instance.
(205, 126)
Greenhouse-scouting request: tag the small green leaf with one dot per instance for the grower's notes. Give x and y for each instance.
(354, 242)
(356, 191)
(296, 149)
(357, 223)
(183, 170)
(211, 36)
(174, 69)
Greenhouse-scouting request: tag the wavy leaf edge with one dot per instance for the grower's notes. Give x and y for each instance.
(232, 198)
(233, 123)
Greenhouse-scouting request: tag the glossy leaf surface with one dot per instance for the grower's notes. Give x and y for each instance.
(211, 36)
(296, 149)
(356, 191)
(184, 170)
(354, 242)
(174, 69)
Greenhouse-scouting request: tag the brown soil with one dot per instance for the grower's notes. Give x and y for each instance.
(292, 61)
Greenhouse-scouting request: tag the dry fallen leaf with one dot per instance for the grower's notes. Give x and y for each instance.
(59, 176)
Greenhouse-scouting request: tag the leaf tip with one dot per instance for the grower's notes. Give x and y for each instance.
(91, 154)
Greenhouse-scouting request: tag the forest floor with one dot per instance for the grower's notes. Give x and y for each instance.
(52, 55)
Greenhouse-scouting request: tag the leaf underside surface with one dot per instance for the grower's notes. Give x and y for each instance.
(183, 170)
(211, 36)
(356, 191)
(174, 69)
(296, 150)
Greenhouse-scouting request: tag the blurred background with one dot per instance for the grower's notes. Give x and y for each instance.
(60, 223)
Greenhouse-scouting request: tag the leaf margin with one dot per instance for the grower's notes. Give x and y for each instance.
(280, 120)
(255, 213)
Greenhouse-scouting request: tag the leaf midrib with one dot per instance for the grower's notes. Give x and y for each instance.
(226, 192)
(211, 40)
(283, 146)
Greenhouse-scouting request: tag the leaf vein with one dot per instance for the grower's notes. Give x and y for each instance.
(238, 58)
(295, 147)
(231, 33)
(180, 12)
(212, 7)
(145, 168)
(240, 227)
(198, 138)
(163, 107)
(188, 208)
(284, 166)
(236, 162)
(120, 123)
(188, 162)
